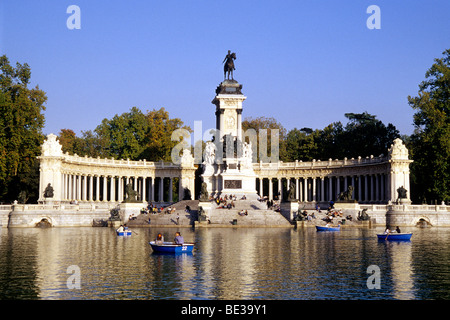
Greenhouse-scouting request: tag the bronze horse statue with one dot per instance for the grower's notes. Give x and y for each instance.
(229, 65)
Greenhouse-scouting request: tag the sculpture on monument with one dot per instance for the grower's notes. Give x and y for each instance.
(48, 192)
(229, 65)
(402, 192)
(346, 195)
(291, 192)
(210, 153)
(131, 194)
(204, 193)
(363, 216)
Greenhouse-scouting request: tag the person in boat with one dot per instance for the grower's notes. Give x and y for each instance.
(387, 231)
(178, 238)
(398, 229)
(125, 228)
(159, 239)
(120, 229)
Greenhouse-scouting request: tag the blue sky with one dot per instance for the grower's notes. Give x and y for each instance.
(305, 63)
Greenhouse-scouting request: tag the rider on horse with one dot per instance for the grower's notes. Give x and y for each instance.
(229, 65)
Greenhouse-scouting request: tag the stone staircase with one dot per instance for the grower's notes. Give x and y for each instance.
(258, 215)
(165, 219)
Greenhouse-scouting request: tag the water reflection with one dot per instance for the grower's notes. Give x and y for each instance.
(231, 263)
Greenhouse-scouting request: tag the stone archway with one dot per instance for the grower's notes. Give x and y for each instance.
(44, 223)
(423, 222)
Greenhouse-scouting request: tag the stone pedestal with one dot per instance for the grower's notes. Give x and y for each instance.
(346, 205)
(404, 201)
(130, 208)
(114, 223)
(206, 206)
(289, 209)
(228, 165)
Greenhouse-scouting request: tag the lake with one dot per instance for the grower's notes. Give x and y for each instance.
(227, 263)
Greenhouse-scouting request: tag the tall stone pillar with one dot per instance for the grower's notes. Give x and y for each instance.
(50, 169)
(228, 161)
(398, 170)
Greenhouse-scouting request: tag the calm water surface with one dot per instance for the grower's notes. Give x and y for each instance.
(227, 263)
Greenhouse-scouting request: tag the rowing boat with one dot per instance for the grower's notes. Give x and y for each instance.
(123, 233)
(170, 247)
(323, 228)
(395, 236)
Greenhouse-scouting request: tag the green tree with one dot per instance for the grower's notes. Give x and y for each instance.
(365, 135)
(264, 123)
(430, 142)
(302, 144)
(21, 124)
(134, 135)
(158, 138)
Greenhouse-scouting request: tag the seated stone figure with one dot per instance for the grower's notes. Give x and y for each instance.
(131, 194)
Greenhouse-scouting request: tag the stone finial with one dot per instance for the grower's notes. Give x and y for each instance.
(398, 150)
(51, 146)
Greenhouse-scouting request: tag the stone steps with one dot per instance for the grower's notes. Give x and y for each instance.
(258, 215)
(254, 217)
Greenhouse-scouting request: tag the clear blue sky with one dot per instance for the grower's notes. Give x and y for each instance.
(305, 63)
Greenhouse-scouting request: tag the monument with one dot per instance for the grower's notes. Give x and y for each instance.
(228, 159)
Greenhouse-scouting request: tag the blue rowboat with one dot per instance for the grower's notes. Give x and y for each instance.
(124, 233)
(395, 236)
(170, 247)
(322, 228)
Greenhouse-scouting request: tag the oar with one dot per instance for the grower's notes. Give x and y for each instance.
(134, 232)
(387, 235)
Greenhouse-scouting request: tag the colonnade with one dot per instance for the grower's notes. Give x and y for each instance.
(109, 188)
(366, 188)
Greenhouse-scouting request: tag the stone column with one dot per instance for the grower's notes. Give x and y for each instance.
(377, 191)
(297, 189)
(261, 191)
(78, 187)
(330, 185)
(161, 190)
(322, 189)
(305, 189)
(366, 188)
(372, 194)
(120, 189)
(314, 192)
(300, 190)
(354, 189)
(359, 188)
(239, 124)
(91, 187)
(152, 198)
(113, 189)
(270, 189)
(338, 185)
(144, 189)
(280, 189)
(64, 197)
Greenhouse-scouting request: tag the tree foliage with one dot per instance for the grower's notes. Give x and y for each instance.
(132, 135)
(430, 143)
(21, 124)
(363, 135)
(268, 124)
